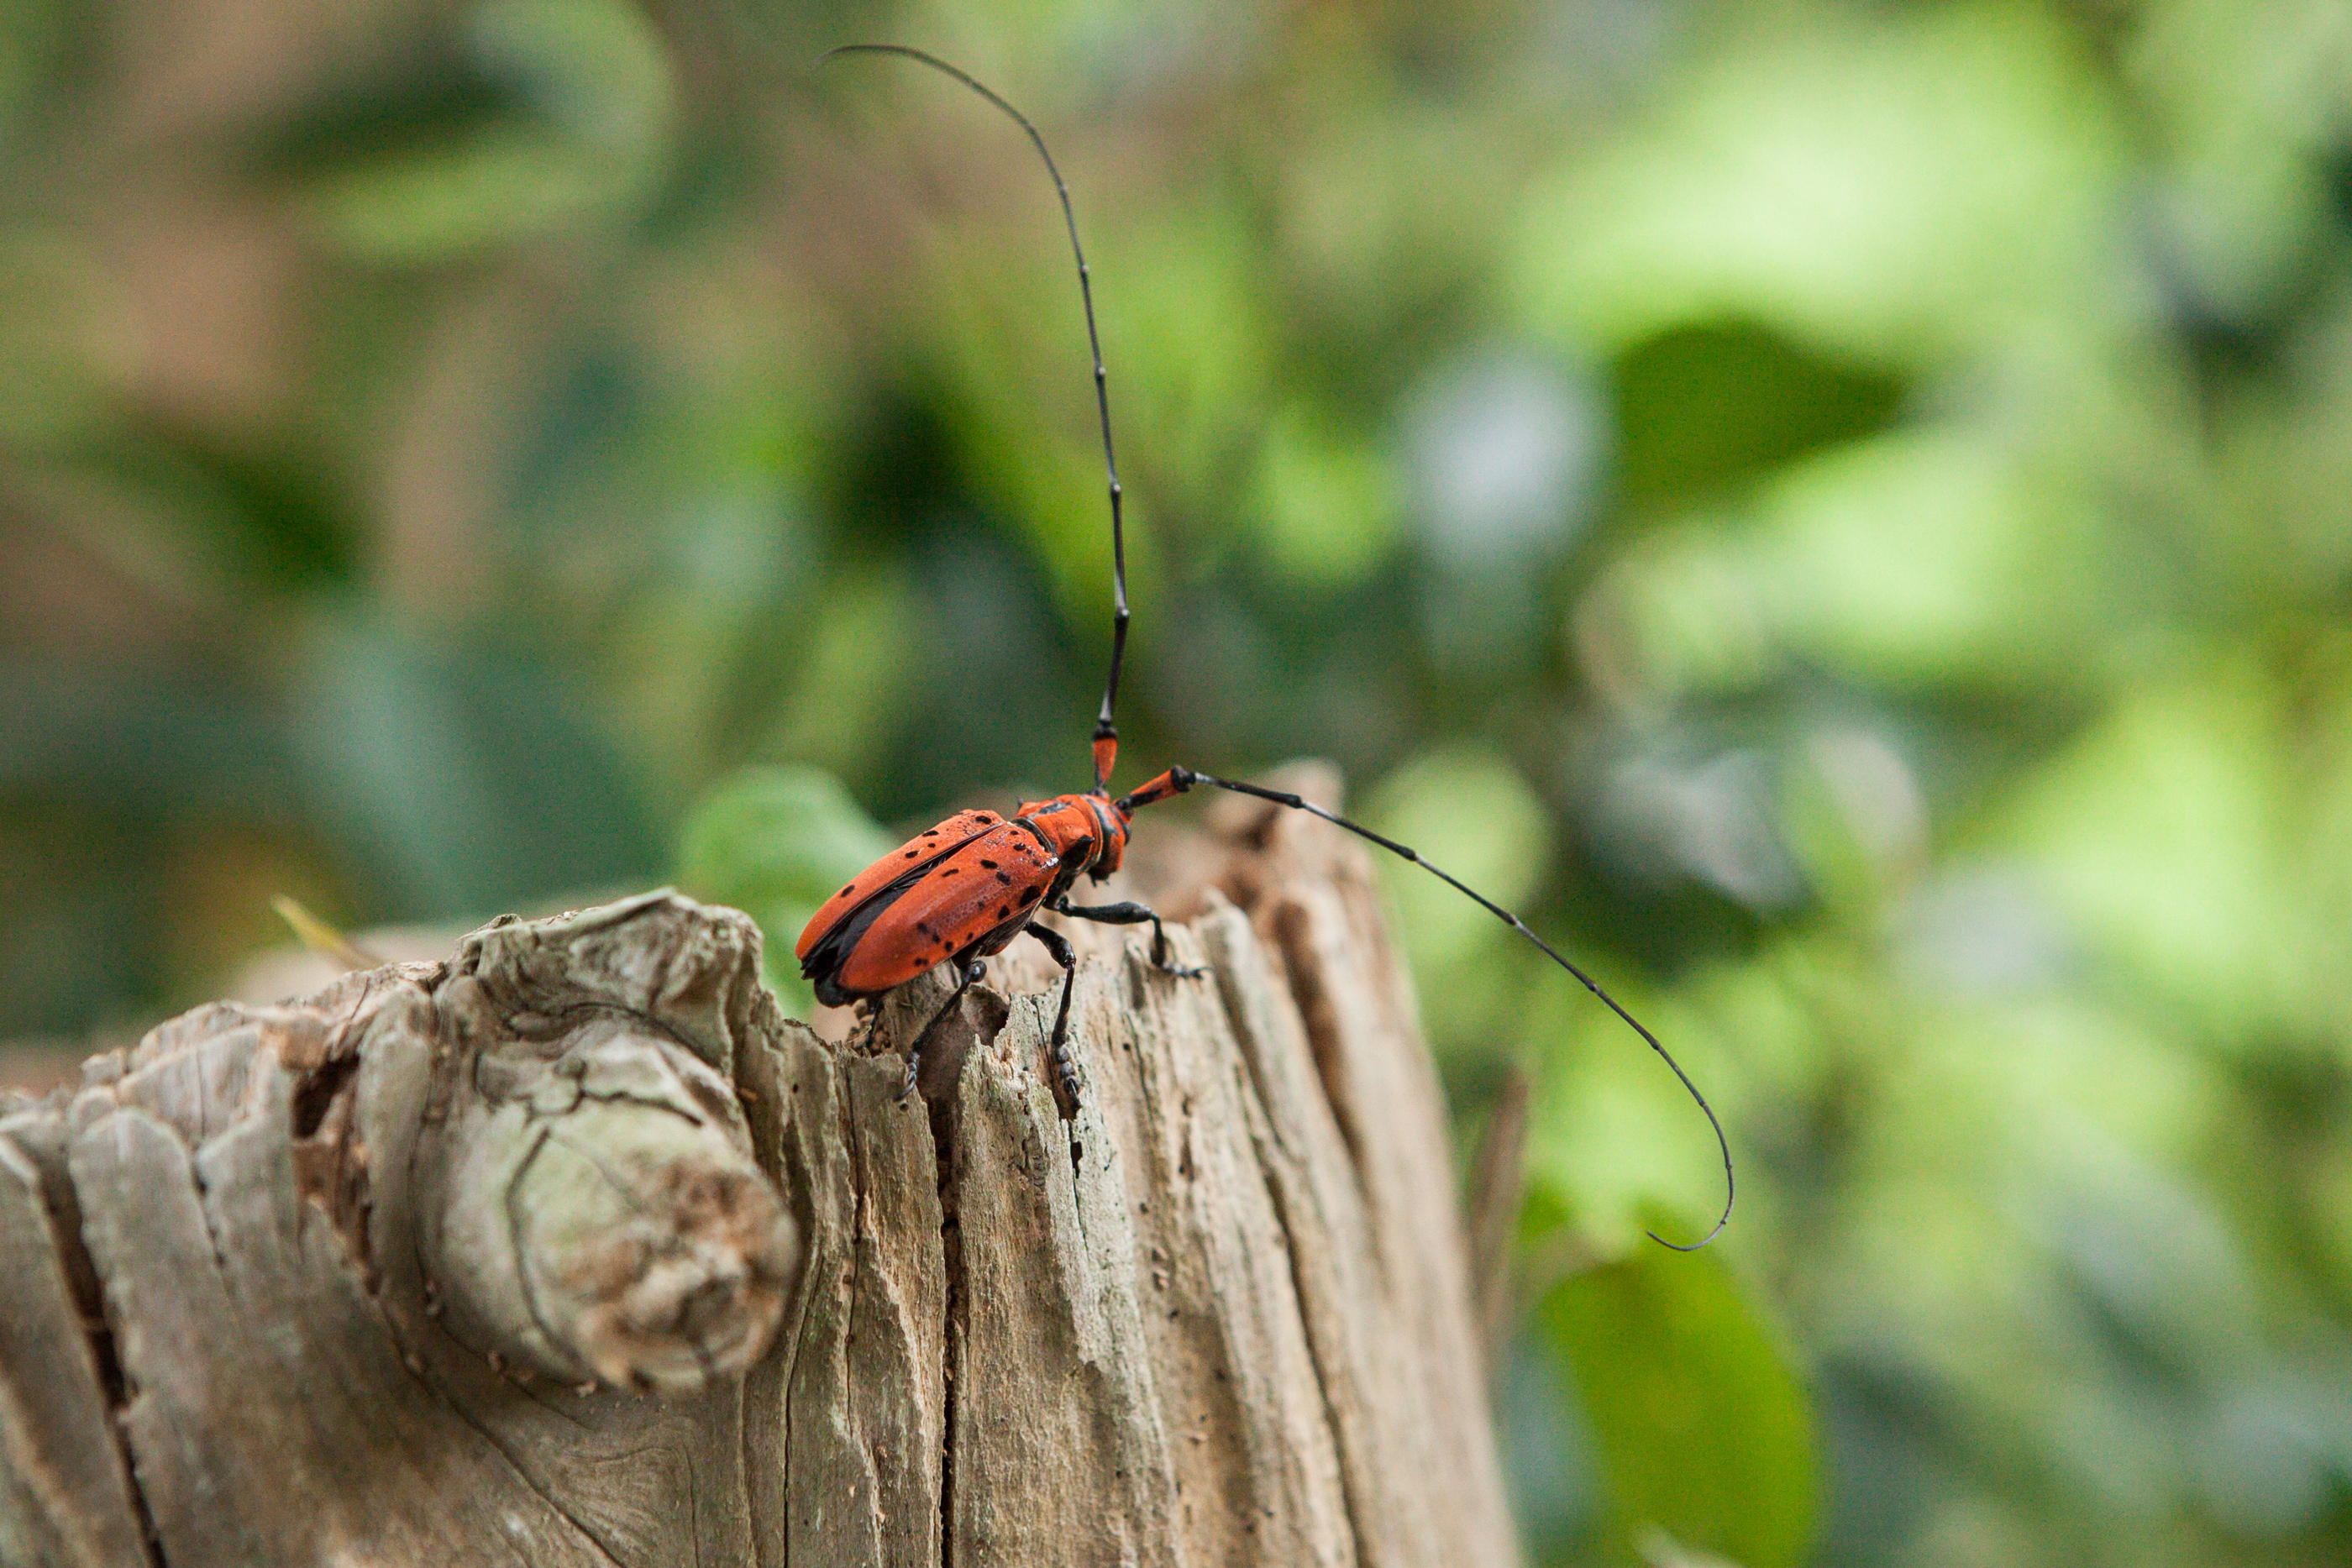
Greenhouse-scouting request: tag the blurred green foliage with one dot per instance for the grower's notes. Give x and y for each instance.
(1842, 511)
(1702, 1430)
(776, 843)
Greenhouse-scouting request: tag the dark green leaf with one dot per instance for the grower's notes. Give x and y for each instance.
(1705, 1433)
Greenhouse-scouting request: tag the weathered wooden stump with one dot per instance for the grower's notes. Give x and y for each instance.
(572, 1249)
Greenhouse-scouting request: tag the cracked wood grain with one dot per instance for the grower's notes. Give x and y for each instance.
(572, 1249)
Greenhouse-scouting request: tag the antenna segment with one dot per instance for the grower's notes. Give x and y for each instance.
(1106, 735)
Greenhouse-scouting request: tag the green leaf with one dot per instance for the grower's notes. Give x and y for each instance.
(776, 843)
(1705, 1433)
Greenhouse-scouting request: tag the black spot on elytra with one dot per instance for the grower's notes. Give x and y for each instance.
(1006, 879)
(1030, 896)
(911, 854)
(846, 891)
(988, 865)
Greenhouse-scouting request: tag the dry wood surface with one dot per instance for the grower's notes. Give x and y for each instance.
(570, 1249)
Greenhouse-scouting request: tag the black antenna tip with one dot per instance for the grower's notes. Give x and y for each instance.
(1730, 1181)
(1692, 1246)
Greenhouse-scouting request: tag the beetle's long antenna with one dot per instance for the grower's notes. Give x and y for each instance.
(1177, 779)
(1106, 735)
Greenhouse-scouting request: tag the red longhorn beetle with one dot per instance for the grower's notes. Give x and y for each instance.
(966, 888)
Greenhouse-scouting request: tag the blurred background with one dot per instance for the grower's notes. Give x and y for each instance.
(1843, 512)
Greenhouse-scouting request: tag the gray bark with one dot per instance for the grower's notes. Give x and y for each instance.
(573, 1250)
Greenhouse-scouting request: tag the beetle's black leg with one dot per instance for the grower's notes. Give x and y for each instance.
(1059, 947)
(1128, 915)
(971, 974)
